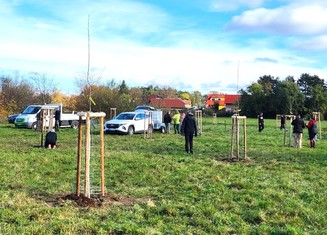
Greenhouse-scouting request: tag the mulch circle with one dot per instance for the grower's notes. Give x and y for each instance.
(234, 159)
(95, 201)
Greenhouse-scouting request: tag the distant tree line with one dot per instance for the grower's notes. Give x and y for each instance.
(17, 92)
(269, 95)
(273, 96)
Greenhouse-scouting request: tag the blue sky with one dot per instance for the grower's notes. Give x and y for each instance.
(204, 45)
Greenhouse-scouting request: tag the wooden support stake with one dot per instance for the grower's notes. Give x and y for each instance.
(244, 132)
(290, 130)
(50, 119)
(237, 139)
(235, 131)
(87, 156)
(232, 140)
(79, 157)
(285, 136)
(102, 155)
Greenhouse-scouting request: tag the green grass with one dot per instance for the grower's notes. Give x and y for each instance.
(161, 190)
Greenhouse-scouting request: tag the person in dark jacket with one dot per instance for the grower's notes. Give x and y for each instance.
(189, 130)
(51, 140)
(261, 122)
(167, 121)
(313, 130)
(282, 122)
(57, 119)
(298, 125)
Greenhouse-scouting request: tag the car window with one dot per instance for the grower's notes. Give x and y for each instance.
(139, 116)
(31, 110)
(125, 116)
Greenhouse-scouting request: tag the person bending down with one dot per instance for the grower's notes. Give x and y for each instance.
(51, 140)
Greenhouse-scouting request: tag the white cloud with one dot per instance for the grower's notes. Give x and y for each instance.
(218, 5)
(193, 60)
(307, 19)
(314, 43)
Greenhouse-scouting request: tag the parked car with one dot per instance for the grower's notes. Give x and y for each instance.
(128, 123)
(12, 118)
(157, 115)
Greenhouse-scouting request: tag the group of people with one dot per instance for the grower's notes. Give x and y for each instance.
(177, 119)
(298, 126)
(184, 124)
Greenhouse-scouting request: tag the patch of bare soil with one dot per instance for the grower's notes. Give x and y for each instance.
(235, 159)
(95, 201)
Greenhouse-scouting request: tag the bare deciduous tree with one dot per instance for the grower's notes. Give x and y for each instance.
(44, 86)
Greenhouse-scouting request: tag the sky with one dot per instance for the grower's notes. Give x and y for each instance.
(188, 45)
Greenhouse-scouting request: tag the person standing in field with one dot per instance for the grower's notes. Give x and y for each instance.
(313, 130)
(298, 125)
(282, 122)
(189, 129)
(261, 122)
(57, 119)
(176, 119)
(167, 121)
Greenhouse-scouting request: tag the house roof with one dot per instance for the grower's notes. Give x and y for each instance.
(215, 96)
(168, 103)
(231, 99)
(222, 99)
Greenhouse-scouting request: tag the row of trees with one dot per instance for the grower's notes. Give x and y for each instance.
(289, 96)
(17, 92)
(268, 95)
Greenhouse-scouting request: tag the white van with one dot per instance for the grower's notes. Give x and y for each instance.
(28, 118)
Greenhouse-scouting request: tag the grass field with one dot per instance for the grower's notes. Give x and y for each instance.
(155, 188)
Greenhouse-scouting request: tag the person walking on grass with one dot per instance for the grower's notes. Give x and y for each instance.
(313, 130)
(261, 122)
(176, 119)
(167, 121)
(298, 125)
(189, 130)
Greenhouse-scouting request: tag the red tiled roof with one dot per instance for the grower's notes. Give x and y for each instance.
(231, 99)
(168, 103)
(215, 96)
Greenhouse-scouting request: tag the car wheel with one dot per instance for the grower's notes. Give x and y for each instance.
(34, 126)
(74, 124)
(130, 130)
